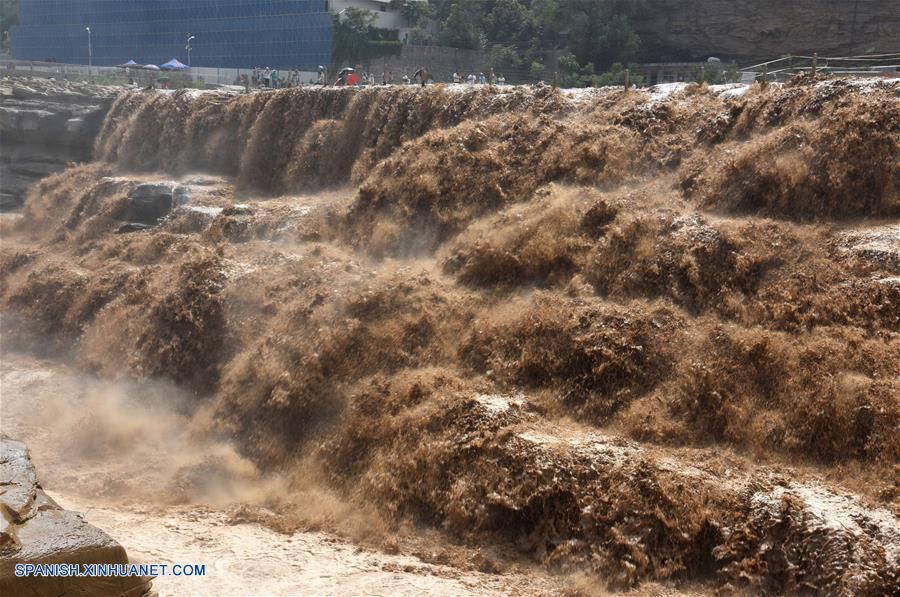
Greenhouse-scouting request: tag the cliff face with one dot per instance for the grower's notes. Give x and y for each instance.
(749, 30)
(45, 125)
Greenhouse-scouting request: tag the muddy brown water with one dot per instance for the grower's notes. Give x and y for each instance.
(682, 304)
(114, 482)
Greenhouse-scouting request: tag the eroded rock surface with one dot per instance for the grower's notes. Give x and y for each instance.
(878, 246)
(45, 125)
(35, 530)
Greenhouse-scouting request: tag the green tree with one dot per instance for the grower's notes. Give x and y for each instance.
(505, 58)
(420, 34)
(9, 16)
(601, 32)
(440, 9)
(597, 32)
(462, 27)
(509, 21)
(355, 39)
(548, 24)
(350, 34)
(415, 12)
(616, 76)
(573, 74)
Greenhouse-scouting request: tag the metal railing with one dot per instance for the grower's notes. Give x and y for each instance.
(779, 69)
(786, 67)
(114, 75)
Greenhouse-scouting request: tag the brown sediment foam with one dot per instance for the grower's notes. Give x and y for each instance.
(530, 243)
(817, 151)
(551, 246)
(575, 498)
(259, 134)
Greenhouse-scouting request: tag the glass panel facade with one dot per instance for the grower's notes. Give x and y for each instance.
(229, 33)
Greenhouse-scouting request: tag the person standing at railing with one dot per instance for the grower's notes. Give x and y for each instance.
(423, 75)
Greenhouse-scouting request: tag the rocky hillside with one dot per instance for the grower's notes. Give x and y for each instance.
(749, 30)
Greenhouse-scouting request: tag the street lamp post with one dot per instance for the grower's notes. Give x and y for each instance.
(90, 51)
(188, 47)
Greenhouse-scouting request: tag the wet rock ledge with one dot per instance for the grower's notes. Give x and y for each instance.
(46, 124)
(35, 530)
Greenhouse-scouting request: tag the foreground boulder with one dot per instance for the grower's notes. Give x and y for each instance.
(35, 530)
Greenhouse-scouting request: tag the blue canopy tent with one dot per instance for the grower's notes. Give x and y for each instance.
(129, 64)
(173, 64)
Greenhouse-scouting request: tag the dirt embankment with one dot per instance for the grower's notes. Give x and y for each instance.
(531, 321)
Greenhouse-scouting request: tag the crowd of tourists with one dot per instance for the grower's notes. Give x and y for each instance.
(479, 79)
(271, 78)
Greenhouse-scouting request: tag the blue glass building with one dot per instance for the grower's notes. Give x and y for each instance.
(228, 33)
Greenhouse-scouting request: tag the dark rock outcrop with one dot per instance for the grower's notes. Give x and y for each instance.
(35, 530)
(149, 202)
(45, 125)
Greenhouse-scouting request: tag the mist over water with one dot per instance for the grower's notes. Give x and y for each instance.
(120, 441)
(126, 457)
